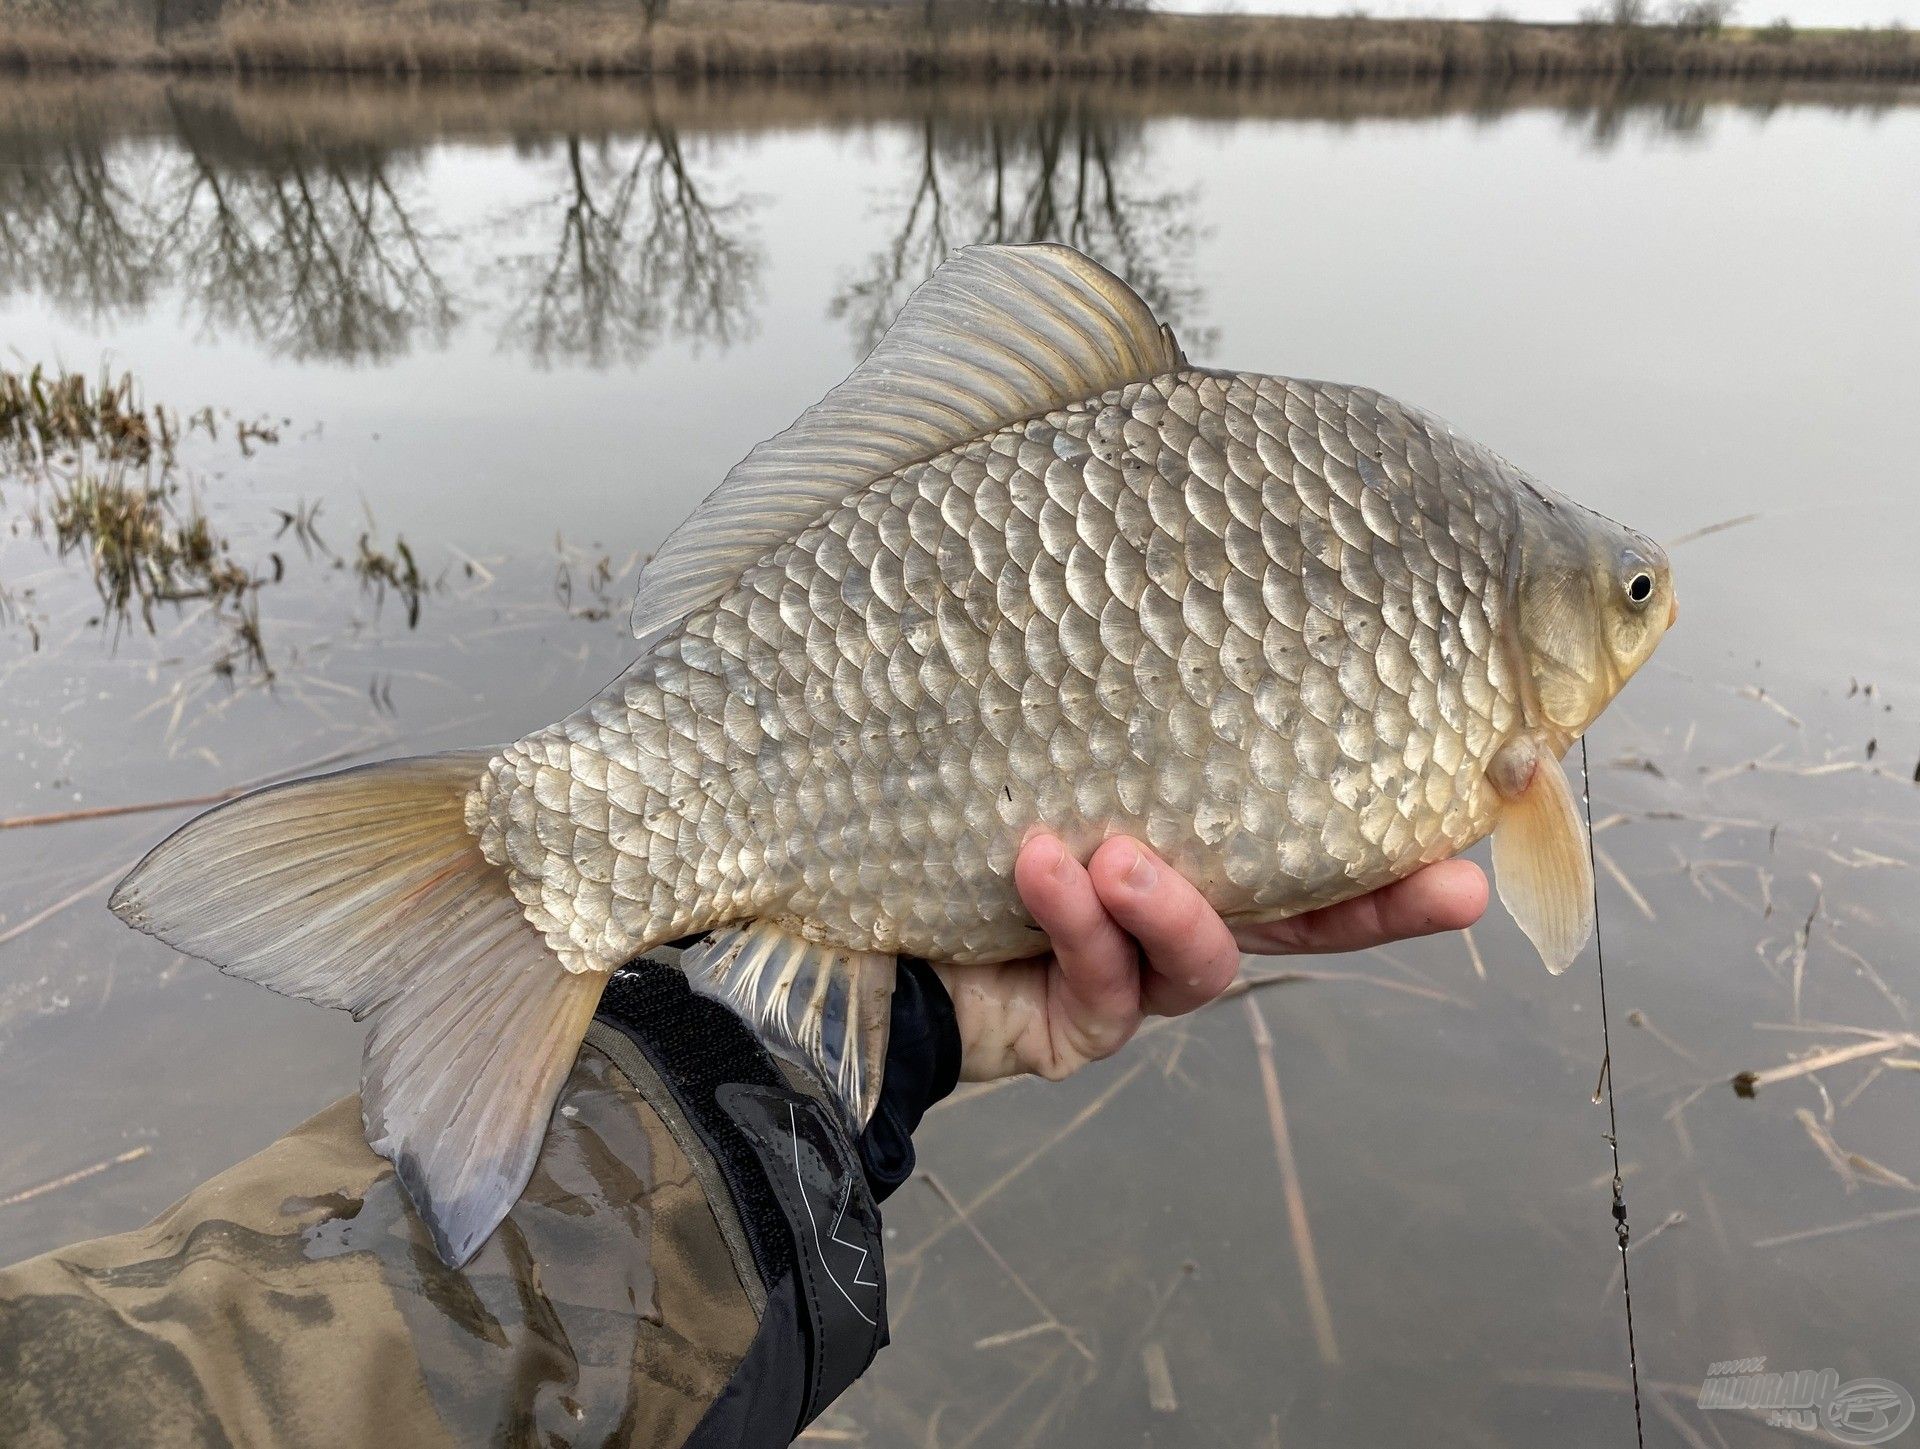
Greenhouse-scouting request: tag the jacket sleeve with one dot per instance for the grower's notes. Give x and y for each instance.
(295, 1300)
(696, 1263)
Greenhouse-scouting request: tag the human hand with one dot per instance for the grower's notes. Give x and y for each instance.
(1132, 939)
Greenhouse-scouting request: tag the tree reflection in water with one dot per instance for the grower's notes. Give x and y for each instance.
(316, 251)
(299, 217)
(319, 244)
(77, 227)
(1064, 171)
(642, 251)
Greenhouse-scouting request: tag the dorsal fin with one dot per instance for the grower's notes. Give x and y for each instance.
(997, 334)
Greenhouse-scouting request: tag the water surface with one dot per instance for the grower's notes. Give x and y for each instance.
(523, 330)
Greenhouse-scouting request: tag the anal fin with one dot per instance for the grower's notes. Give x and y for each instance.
(1541, 865)
(830, 1004)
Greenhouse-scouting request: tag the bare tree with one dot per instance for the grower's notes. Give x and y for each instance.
(1618, 14)
(1079, 18)
(1701, 17)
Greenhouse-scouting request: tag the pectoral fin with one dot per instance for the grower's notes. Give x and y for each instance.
(1541, 865)
(833, 1005)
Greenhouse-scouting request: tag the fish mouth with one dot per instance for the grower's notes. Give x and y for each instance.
(1673, 610)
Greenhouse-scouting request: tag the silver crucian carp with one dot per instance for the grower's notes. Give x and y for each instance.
(1025, 567)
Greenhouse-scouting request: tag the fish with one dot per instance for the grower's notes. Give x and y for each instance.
(1025, 568)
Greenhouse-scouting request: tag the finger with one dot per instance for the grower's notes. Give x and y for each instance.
(1099, 986)
(1190, 953)
(1448, 896)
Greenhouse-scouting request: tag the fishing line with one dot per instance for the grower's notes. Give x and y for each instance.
(1606, 1076)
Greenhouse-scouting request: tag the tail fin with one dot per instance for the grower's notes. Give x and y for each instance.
(365, 890)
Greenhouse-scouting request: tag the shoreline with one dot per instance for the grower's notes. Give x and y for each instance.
(375, 111)
(796, 40)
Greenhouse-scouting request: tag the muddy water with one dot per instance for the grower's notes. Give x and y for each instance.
(523, 331)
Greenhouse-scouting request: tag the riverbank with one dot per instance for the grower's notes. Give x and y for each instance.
(795, 39)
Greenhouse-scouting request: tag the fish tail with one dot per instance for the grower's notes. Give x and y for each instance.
(366, 890)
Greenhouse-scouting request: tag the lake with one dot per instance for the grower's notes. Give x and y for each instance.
(449, 362)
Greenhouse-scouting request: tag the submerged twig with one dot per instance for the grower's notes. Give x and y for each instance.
(1080, 1119)
(1612, 868)
(1160, 1395)
(1473, 954)
(1748, 1083)
(1871, 1220)
(1672, 1220)
(1051, 1319)
(1318, 1312)
(1695, 535)
(41, 917)
(28, 1194)
(1641, 1021)
(1829, 1149)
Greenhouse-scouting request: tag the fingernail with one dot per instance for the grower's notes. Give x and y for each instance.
(1062, 867)
(1052, 856)
(1140, 875)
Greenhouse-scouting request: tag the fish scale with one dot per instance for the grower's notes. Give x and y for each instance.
(1179, 611)
(1024, 568)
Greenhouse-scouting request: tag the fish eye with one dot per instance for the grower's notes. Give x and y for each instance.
(1640, 587)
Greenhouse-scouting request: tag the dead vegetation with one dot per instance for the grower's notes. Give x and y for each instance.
(42, 413)
(97, 473)
(146, 541)
(100, 482)
(941, 39)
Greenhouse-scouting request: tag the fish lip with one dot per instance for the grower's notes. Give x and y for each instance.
(1673, 610)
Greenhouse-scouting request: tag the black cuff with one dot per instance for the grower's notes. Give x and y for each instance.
(923, 1064)
(789, 1169)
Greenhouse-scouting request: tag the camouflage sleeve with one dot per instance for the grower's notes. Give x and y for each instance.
(658, 1284)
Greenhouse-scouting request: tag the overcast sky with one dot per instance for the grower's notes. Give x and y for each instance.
(1801, 12)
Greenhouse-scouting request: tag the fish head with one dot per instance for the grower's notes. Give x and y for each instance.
(1591, 601)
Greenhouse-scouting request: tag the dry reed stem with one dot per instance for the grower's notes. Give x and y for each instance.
(1871, 1220)
(1641, 1021)
(102, 812)
(1159, 1374)
(986, 1194)
(1713, 528)
(187, 802)
(1473, 954)
(1318, 1313)
(1867, 969)
(335, 757)
(1620, 878)
(1748, 1083)
(1829, 1149)
(1014, 1335)
(1679, 1425)
(41, 917)
(1048, 1316)
(132, 1154)
(986, 1425)
(1672, 1220)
